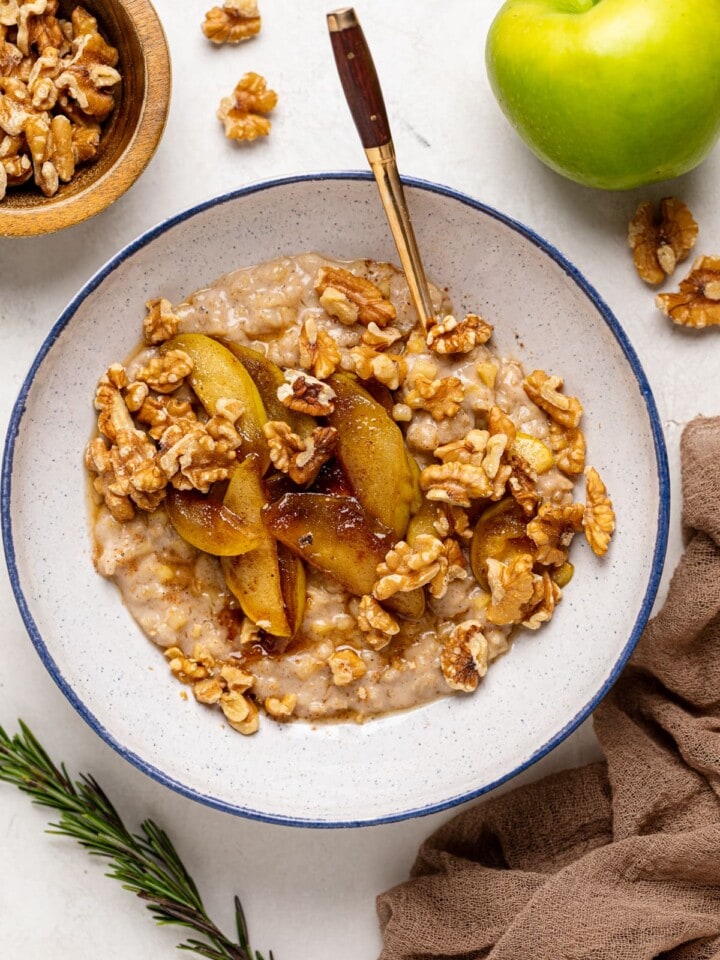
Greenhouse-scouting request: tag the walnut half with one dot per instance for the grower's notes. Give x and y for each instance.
(659, 242)
(697, 304)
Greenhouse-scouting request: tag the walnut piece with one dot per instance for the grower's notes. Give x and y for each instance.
(352, 299)
(306, 394)
(161, 412)
(389, 369)
(346, 666)
(379, 338)
(660, 241)
(448, 335)
(546, 596)
(319, 352)
(236, 20)
(544, 390)
(281, 709)
(512, 587)
(160, 324)
(441, 398)
(242, 113)
(599, 517)
(568, 445)
(376, 623)
(166, 372)
(406, 567)
(194, 455)
(217, 682)
(552, 531)
(301, 458)
(471, 468)
(464, 656)
(697, 303)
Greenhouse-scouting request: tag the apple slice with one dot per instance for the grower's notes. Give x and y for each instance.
(254, 578)
(373, 455)
(209, 526)
(267, 377)
(218, 374)
(293, 585)
(500, 534)
(333, 534)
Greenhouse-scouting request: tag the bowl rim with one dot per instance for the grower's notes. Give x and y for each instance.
(147, 767)
(101, 193)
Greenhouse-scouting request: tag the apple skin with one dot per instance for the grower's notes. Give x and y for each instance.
(610, 93)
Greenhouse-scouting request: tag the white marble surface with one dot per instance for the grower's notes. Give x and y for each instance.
(308, 894)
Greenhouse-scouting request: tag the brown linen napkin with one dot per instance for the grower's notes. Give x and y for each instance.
(616, 860)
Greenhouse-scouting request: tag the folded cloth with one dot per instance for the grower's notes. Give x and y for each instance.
(619, 859)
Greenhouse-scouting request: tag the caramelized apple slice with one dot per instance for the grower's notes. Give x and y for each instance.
(293, 585)
(209, 526)
(267, 377)
(333, 534)
(534, 451)
(254, 578)
(373, 455)
(423, 522)
(500, 534)
(217, 374)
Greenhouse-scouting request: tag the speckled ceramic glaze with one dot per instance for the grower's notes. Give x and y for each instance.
(409, 763)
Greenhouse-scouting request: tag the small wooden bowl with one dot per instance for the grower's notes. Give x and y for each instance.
(130, 135)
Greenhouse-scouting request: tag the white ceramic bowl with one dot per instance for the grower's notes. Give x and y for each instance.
(409, 763)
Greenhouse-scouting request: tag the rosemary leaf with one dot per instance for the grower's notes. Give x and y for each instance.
(145, 863)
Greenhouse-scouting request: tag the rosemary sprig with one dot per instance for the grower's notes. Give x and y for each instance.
(146, 863)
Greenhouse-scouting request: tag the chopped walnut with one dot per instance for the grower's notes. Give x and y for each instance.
(389, 369)
(659, 242)
(194, 455)
(189, 669)
(448, 335)
(512, 587)
(281, 709)
(161, 412)
(599, 517)
(522, 484)
(546, 596)
(406, 567)
(376, 623)
(236, 20)
(217, 682)
(464, 656)
(346, 666)
(306, 394)
(379, 338)
(452, 520)
(319, 352)
(166, 372)
(353, 299)
(301, 458)
(451, 567)
(544, 390)
(241, 114)
(500, 422)
(552, 531)
(160, 324)
(697, 304)
(441, 398)
(240, 712)
(471, 468)
(568, 445)
(88, 76)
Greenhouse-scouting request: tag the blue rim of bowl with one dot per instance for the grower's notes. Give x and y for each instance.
(142, 241)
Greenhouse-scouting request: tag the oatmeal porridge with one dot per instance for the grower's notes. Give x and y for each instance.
(321, 511)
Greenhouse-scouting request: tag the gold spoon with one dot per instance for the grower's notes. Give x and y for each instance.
(364, 97)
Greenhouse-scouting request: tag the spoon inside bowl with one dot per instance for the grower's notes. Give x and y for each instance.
(364, 97)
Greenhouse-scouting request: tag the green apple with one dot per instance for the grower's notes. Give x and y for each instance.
(611, 93)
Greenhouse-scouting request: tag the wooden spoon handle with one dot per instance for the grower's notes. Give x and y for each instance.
(359, 78)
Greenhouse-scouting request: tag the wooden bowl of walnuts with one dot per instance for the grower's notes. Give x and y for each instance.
(84, 96)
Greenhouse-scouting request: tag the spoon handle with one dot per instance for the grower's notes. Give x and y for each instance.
(364, 97)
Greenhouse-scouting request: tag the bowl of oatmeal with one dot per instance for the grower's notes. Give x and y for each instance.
(330, 568)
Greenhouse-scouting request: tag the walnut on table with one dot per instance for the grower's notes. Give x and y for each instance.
(242, 113)
(234, 21)
(659, 241)
(697, 303)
